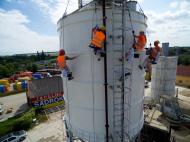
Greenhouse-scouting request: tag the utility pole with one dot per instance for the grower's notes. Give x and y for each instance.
(105, 73)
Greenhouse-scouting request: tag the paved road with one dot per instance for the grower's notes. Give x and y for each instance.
(18, 102)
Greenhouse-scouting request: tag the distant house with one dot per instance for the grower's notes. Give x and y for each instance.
(183, 76)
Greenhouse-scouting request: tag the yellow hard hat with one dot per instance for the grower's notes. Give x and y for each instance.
(103, 28)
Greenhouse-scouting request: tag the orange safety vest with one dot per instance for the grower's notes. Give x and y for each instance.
(61, 61)
(98, 39)
(141, 42)
(155, 51)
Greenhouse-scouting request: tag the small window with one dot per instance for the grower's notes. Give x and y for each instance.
(12, 138)
(5, 141)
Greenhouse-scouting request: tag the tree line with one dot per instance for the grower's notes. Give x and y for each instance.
(183, 54)
(10, 65)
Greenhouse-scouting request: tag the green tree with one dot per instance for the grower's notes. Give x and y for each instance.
(184, 60)
(4, 72)
(34, 68)
(43, 56)
(38, 56)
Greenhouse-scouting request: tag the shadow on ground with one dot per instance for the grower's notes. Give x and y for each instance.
(21, 109)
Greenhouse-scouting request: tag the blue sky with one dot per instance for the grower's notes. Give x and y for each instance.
(30, 25)
(38, 21)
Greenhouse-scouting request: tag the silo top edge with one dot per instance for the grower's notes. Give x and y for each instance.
(84, 8)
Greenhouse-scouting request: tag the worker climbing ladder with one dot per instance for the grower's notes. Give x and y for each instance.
(122, 74)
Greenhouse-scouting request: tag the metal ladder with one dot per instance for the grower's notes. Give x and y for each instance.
(118, 68)
(127, 103)
(121, 89)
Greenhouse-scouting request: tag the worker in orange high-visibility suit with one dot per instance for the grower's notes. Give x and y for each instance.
(156, 52)
(153, 57)
(61, 62)
(141, 41)
(98, 39)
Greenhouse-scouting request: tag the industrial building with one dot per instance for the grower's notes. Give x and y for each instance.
(45, 92)
(183, 76)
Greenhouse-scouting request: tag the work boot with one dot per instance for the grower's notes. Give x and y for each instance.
(91, 46)
(69, 76)
(95, 52)
(140, 67)
(101, 53)
(154, 62)
(127, 74)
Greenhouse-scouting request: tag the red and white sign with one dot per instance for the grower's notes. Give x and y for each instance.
(50, 96)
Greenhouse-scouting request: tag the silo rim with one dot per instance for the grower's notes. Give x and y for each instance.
(89, 4)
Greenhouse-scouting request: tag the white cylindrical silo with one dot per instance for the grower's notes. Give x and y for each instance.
(84, 95)
(163, 77)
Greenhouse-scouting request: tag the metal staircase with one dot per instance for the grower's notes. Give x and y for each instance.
(122, 75)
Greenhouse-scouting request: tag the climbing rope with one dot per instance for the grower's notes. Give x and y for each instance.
(140, 8)
(66, 7)
(68, 101)
(92, 71)
(131, 25)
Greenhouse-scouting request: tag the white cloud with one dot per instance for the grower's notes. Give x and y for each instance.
(174, 4)
(8, 0)
(16, 37)
(171, 26)
(184, 4)
(56, 8)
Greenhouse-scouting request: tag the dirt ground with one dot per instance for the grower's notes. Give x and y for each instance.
(54, 130)
(184, 91)
(182, 134)
(183, 97)
(51, 131)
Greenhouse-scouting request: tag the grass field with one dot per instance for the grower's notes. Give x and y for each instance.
(21, 122)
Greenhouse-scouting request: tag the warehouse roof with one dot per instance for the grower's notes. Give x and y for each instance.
(183, 70)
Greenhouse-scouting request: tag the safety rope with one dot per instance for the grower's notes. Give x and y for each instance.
(131, 25)
(130, 93)
(66, 7)
(68, 101)
(93, 17)
(92, 71)
(141, 10)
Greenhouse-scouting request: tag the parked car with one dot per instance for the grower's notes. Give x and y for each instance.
(1, 109)
(18, 136)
